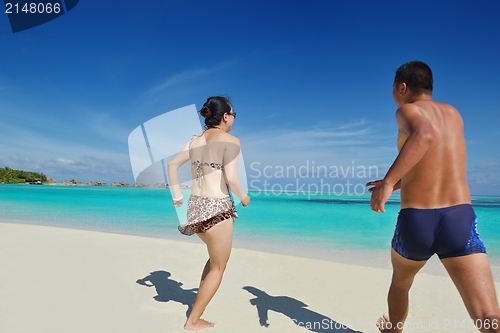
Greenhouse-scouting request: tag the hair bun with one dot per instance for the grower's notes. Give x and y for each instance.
(214, 109)
(205, 112)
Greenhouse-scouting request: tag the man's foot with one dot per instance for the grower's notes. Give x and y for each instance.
(199, 325)
(384, 324)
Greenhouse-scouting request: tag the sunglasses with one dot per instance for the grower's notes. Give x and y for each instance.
(232, 113)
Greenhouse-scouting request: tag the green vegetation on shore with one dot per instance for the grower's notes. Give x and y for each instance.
(11, 176)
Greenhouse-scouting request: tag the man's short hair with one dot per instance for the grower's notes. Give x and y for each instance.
(417, 76)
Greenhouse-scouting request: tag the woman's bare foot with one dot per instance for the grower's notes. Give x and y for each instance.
(384, 324)
(199, 325)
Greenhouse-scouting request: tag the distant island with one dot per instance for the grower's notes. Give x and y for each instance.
(11, 176)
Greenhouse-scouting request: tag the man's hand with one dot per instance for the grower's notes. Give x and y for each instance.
(381, 191)
(375, 184)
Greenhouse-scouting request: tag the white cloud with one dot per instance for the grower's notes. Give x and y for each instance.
(487, 165)
(61, 158)
(63, 161)
(346, 145)
(85, 168)
(357, 123)
(188, 76)
(481, 182)
(107, 126)
(307, 140)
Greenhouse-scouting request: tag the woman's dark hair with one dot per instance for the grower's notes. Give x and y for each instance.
(417, 76)
(213, 110)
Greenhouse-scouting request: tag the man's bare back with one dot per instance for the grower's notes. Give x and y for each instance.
(436, 216)
(439, 178)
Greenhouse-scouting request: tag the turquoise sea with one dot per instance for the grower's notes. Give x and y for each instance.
(292, 222)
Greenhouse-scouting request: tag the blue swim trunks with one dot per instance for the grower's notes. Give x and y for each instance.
(449, 232)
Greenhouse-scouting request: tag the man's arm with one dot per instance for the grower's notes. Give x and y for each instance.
(420, 136)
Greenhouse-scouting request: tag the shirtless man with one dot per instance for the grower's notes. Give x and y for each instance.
(436, 214)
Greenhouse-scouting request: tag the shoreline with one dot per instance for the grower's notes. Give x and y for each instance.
(61, 280)
(373, 258)
(254, 191)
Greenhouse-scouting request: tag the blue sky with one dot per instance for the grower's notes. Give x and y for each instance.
(310, 81)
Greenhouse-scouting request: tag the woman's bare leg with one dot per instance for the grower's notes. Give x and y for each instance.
(206, 269)
(219, 242)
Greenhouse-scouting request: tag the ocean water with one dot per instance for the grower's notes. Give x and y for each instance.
(291, 221)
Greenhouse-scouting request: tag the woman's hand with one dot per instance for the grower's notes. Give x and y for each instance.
(245, 201)
(178, 202)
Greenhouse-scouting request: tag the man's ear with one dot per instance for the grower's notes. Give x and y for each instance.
(402, 89)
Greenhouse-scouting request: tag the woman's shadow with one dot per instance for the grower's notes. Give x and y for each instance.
(169, 290)
(295, 310)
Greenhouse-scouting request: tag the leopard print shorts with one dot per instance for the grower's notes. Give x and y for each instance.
(205, 212)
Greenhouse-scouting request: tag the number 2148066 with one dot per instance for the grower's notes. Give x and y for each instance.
(32, 8)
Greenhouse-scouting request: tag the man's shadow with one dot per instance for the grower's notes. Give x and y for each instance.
(295, 310)
(169, 290)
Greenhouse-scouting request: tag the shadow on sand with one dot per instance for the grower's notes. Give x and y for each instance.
(169, 290)
(295, 310)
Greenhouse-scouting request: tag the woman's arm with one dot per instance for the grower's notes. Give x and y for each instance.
(173, 173)
(230, 161)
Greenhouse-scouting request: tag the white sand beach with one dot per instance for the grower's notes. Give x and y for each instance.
(56, 280)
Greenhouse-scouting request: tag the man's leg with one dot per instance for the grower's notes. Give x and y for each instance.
(403, 273)
(473, 279)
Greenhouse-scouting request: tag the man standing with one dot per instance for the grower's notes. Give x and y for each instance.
(436, 214)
